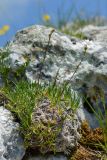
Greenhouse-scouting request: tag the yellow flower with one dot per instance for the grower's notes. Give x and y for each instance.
(1, 32)
(46, 18)
(4, 29)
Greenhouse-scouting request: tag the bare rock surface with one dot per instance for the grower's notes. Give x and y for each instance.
(96, 33)
(11, 143)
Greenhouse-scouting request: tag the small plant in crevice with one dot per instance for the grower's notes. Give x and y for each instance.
(23, 101)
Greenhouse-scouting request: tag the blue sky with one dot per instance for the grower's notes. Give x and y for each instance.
(22, 13)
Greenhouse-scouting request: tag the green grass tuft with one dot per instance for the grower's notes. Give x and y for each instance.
(22, 100)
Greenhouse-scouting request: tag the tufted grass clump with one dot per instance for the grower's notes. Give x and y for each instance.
(24, 97)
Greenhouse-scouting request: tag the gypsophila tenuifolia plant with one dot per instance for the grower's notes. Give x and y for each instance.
(23, 98)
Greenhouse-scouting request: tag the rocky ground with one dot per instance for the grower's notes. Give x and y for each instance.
(45, 53)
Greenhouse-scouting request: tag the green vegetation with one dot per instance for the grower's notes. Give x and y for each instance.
(101, 115)
(7, 72)
(93, 143)
(22, 100)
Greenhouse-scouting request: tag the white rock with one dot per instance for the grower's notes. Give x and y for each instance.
(11, 143)
(95, 33)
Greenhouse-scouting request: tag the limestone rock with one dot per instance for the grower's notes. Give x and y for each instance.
(63, 55)
(95, 33)
(11, 143)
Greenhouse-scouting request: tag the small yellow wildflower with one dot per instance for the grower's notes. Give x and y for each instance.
(2, 32)
(46, 18)
(4, 29)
